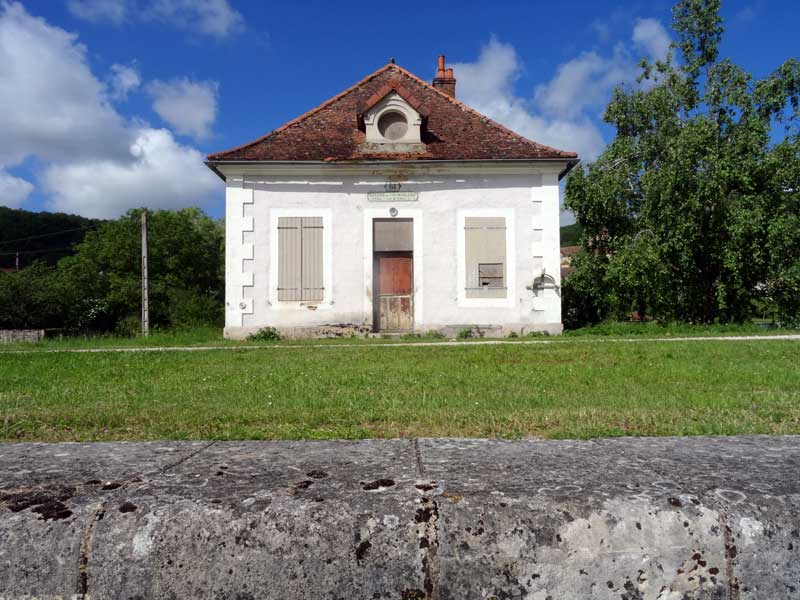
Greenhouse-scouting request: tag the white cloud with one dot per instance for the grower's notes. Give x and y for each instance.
(651, 35)
(13, 190)
(96, 162)
(563, 111)
(188, 106)
(53, 106)
(216, 18)
(163, 174)
(491, 78)
(487, 85)
(124, 79)
(99, 11)
(584, 82)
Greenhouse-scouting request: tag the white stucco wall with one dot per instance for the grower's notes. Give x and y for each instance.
(527, 195)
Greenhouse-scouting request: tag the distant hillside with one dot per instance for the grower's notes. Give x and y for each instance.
(39, 235)
(571, 235)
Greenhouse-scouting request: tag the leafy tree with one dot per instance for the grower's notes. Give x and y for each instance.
(692, 212)
(186, 269)
(32, 298)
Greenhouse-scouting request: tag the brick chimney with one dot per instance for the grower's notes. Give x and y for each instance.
(444, 80)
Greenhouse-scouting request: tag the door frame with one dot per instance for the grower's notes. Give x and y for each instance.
(403, 212)
(376, 289)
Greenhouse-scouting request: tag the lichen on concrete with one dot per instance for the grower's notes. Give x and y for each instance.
(660, 519)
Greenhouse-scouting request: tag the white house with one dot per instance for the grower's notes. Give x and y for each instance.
(392, 207)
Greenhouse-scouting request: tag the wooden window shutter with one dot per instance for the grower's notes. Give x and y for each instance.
(300, 259)
(289, 256)
(311, 260)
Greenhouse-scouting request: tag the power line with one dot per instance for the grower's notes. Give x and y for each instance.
(42, 251)
(43, 235)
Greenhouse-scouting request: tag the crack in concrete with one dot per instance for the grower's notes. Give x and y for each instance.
(430, 559)
(418, 458)
(730, 556)
(82, 586)
(85, 553)
(182, 460)
(427, 519)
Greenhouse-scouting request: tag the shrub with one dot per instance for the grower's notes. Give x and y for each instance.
(130, 326)
(471, 332)
(265, 334)
(537, 334)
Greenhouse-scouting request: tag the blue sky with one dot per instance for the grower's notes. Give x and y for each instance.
(112, 104)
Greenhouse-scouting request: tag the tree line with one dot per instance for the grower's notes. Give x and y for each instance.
(27, 237)
(692, 213)
(98, 286)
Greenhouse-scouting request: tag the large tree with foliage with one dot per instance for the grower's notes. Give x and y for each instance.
(186, 268)
(693, 211)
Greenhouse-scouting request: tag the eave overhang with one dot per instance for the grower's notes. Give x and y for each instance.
(226, 168)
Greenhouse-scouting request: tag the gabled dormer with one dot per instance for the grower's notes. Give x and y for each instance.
(393, 120)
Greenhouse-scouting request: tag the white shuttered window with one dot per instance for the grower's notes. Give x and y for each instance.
(300, 259)
(485, 257)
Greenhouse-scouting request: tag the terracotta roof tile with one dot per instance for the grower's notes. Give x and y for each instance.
(330, 132)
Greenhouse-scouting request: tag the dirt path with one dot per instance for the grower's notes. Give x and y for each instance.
(737, 338)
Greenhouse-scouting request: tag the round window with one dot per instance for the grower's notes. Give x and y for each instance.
(393, 126)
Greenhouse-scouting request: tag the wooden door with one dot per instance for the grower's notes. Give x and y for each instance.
(395, 291)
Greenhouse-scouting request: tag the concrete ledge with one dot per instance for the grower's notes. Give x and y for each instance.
(667, 519)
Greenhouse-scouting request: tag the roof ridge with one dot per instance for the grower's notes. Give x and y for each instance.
(308, 113)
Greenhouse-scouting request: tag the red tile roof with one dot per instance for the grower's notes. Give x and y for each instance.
(332, 132)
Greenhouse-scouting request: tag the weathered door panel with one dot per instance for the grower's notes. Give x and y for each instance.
(395, 291)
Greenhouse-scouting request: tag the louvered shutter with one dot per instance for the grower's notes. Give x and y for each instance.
(311, 261)
(289, 257)
(300, 259)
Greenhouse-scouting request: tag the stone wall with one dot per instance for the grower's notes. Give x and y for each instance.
(8, 336)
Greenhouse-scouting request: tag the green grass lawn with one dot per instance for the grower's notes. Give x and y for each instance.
(212, 336)
(571, 388)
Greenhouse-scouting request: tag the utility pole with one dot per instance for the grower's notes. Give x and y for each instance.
(145, 288)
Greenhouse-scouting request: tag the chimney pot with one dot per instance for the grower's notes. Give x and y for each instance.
(444, 80)
(440, 71)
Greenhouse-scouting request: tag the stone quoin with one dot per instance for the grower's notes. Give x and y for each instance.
(392, 208)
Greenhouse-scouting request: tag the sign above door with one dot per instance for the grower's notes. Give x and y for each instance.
(392, 194)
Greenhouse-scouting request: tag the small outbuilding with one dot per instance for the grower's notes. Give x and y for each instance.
(392, 208)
